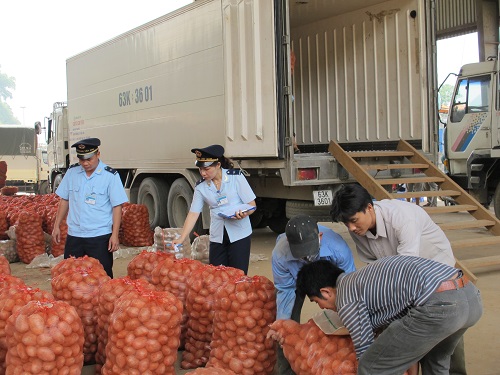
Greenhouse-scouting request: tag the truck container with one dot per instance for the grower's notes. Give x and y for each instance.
(262, 78)
(472, 133)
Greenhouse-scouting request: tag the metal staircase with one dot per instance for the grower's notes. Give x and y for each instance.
(365, 167)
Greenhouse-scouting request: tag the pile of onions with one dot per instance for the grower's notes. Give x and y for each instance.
(143, 334)
(4, 225)
(170, 276)
(44, 337)
(13, 296)
(108, 294)
(202, 285)
(135, 226)
(29, 235)
(74, 263)
(210, 371)
(50, 215)
(4, 266)
(244, 309)
(310, 351)
(141, 266)
(79, 287)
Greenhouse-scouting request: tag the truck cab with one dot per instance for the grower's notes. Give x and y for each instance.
(472, 136)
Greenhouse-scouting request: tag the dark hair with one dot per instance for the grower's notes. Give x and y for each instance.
(225, 162)
(348, 201)
(316, 275)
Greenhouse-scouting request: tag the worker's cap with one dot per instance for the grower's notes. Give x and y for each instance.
(86, 148)
(303, 236)
(207, 156)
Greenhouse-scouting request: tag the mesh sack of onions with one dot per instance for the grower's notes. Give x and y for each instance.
(244, 309)
(210, 371)
(9, 250)
(310, 351)
(135, 226)
(202, 286)
(29, 235)
(170, 276)
(4, 266)
(79, 287)
(143, 334)
(108, 294)
(44, 337)
(12, 298)
(57, 249)
(9, 190)
(73, 263)
(4, 225)
(200, 248)
(141, 266)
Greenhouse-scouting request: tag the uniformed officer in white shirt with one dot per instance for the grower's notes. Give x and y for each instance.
(91, 195)
(231, 201)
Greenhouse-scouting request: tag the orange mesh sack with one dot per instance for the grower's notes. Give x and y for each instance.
(4, 225)
(109, 293)
(141, 266)
(135, 226)
(44, 337)
(79, 287)
(4, 266)
(310, 351)
(12, 298)
(74, 263)
(171, 276)
(143, 334)
(29, 235)
(210, 371)
(202, 286)
(244, 309)
(57, 249)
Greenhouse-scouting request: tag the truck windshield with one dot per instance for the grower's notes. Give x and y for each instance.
(472, 95)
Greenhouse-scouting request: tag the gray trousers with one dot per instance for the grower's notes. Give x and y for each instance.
(428, 333)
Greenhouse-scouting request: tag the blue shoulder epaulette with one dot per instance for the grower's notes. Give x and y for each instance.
(110, 170)
(199, 182)
(234, 171)
(74, 165)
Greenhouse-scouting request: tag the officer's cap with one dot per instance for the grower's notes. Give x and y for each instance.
(86, 148)
(207, 156)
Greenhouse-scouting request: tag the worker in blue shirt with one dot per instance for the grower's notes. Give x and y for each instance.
(231, 200)
(91, 195)
(304, 241)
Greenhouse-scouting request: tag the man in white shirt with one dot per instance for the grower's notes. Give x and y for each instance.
(392, 227)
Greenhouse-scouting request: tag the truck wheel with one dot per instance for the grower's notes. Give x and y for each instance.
(44, 188)
(179, 202)
(153, 193)
(277, 224)
(56, 182)
(496, 201)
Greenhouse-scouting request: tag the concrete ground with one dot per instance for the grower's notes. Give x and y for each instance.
(482, 343)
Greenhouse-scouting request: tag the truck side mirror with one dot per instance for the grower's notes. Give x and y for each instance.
(38, 128)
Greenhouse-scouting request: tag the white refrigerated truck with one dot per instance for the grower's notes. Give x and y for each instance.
(256, 76)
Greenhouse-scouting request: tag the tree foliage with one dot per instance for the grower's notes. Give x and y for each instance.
(7, 84)
(446, 93)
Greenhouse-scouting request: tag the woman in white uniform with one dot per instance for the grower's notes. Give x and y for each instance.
(231, 199)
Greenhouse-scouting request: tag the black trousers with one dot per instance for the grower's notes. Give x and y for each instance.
(230, 254)
(95, 247)
(283, 364)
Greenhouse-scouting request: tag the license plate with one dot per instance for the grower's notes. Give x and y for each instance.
(323, 197)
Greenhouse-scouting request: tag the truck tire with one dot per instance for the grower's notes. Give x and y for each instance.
(320, 213)
(277, 224)
(153, 193)
(56, 182)
(44, 188)
(496, 201)
(179, 202)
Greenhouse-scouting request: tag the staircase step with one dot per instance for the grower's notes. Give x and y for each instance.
(482, 262)
(466, 224)
(452, 208)
(409, 180)
(475, 242)
(379, 154)
(427, 193)
(384, 167)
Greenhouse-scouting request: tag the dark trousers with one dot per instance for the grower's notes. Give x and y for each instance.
(230, 254)
(283, 364)
(95, 247)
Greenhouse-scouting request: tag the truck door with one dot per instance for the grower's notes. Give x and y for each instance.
(469, 123)
(250, 78)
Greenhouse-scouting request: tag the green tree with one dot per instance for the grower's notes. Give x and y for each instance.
(446, 93)
(6, 85)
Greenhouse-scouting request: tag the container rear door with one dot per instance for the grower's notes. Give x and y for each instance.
(250, 78)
